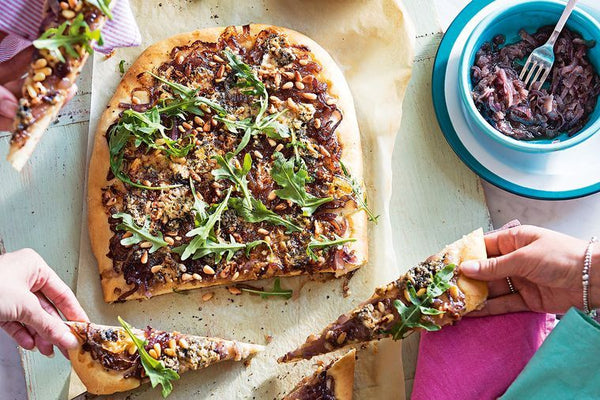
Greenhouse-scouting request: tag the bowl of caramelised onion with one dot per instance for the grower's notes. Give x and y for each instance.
(561, 113)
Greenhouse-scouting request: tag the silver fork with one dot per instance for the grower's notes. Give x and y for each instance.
(540, 61)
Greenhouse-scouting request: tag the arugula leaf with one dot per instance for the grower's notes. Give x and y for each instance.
(411, 315)
(155, 369)
(122, 67)
(140, 233)
(250, 84)
(191, 95)
(220, 249)
(323, 243)
(203, 231)
(258, 212)
(292, 184)
(199, 206)
(102, 5)
(236, 175)
(66, 36)
(359, 194)
(265, 294)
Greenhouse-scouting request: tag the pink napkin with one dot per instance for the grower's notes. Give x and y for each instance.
(478, 358)
(21, 20)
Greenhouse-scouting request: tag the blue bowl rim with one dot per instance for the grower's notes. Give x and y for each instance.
(469, 105)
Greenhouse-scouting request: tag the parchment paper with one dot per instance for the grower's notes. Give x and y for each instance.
(373, 43)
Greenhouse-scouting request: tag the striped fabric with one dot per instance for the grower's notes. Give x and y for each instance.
(21, 19)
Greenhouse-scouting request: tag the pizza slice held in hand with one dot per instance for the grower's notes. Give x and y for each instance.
(334, 381)
(68, 31)
(114, 359)
(428, 296)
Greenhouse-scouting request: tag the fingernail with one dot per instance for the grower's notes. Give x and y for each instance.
(51, 355)
(469, 267)
(8, 107)
(69, 341)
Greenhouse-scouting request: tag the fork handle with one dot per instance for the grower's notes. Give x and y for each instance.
(562, 21)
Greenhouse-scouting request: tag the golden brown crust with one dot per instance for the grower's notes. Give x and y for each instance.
(99, 228)
(342, 372)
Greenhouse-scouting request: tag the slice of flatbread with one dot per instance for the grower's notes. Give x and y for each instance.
(107, 360)
(377, 317)
(49, 81)
(334, 381)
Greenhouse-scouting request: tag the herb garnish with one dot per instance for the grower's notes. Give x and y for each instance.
(410, 316)
(102, 5)
(248, 207)
(258, 212)
(66, 36)
(265, 294)
(122, 67)
(155, 369)
(293, 183)
(140, 233)
(204, 228)
(249, 84)
(234, 174)
(359, 194)
(323, 243)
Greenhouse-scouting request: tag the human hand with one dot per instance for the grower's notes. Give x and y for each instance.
(11, 73)
(31, 296)
(544, 266)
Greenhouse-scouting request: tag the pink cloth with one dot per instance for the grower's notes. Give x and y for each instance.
(478, 358)
(21, 20)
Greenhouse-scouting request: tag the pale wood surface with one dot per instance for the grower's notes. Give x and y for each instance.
(42, 206)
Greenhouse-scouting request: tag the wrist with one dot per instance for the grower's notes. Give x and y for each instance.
(595, 277)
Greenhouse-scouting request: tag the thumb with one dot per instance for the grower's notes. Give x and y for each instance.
(492, 268)
(50, 327)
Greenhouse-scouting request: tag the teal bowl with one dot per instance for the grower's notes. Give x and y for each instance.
(508, 20)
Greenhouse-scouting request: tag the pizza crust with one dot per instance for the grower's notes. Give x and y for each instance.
(472, 247)
(347, 132)
(342, 372)
(96, 378)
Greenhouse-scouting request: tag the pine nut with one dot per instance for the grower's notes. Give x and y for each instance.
(236, 275)
(31, 91)
(144, 258)
(170, 352)
(40, 63)
(287, 85)
(197, 276)
(279, 147)
(157, 349)
(145, 245)
(183, 343)
(272, 195)
(68, 14)
(172, 344)
(169, 240)
(208, 270)
(303, 61)
(39, 76)
(207, 296)
(186, 277)
(262, 231)
(299, 85)
(342, 338)
(233, 290)
(309, 96)
(153, 354)
(156, 268)
(218, 59)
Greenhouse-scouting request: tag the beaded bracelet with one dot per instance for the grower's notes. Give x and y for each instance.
(585, 275)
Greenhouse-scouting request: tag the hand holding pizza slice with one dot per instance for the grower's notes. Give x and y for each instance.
(428, 296)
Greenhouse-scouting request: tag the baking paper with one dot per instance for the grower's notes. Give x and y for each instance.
(372, 41)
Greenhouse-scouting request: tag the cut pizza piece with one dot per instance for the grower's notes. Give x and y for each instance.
(226, 155)
(428, 296)
(333, 382)
(67, 33)
(115, 359)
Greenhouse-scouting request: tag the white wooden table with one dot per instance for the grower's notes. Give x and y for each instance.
(64, 174)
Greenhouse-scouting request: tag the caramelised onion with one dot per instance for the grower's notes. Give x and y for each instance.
(562, 105)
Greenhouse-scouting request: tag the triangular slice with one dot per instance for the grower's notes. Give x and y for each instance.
(60, 54)
(107, 360)
(379, 316)
(333, 382)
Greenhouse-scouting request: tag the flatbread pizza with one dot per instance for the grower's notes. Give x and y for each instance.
(68, 30)
(332, 382)
(113, 359)
(226, 155)
(428, 296)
